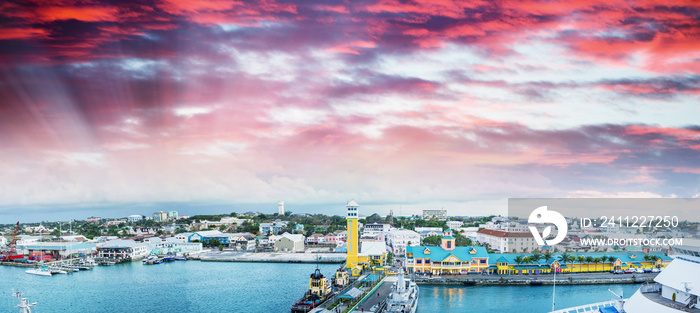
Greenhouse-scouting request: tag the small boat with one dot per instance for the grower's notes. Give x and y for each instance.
(179, 258)
(56, 270)
(39, 271)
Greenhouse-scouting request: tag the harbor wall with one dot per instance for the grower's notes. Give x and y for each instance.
(520, 282)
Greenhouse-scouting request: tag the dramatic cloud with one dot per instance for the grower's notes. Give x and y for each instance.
(422, 103)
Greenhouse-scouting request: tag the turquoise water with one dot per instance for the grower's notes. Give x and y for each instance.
(514, 299)
(195, 286)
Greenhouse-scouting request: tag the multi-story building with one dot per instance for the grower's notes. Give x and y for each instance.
(93, 219)
(505, 241)
(275, 227)
(398, 239)
(316, 239)
(280, 208)
(160, 216)
(447, 259)
(127, 250)
(172, 215)
(440, 215)
(134, 218)
(454, 225)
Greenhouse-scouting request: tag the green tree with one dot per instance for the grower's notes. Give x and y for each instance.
(589, 260)
(432, 241)
(56, 233)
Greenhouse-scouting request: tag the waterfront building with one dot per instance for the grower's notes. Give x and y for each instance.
(290, 243)
(123, 250)
(446, 259)
(398, 239)
(172, 215)
(134, 218)
(280, 208)
(316, 239)
(173, 245)
(160, 216)
(58, 250)
(275, 227)
(330, 238)
(242, 241)
(506, 241)
(440, 215)
(262, 241)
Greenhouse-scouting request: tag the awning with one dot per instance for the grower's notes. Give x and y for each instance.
(351, 294)
(370, 277)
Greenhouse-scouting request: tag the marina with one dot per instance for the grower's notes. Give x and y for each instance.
(218, 286)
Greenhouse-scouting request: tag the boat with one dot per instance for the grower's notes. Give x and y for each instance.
(320, 290)
(57, 270)
(403, 297)
(341, 279)
(39, 271)
(675, 289)
(24, 305)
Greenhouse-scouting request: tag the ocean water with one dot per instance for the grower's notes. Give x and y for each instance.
(194, 286)
(514, 299)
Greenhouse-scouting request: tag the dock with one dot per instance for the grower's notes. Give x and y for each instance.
(270, 257)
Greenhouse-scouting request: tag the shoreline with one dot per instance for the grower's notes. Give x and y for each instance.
(521, 281)
(271, 257)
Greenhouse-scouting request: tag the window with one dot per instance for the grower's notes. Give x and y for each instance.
(418, 261)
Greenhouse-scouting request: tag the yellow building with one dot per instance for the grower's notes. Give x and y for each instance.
(355, 262)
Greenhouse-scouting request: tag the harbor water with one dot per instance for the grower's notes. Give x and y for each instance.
(194, 286)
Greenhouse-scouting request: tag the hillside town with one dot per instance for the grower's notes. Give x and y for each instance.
(286, 234)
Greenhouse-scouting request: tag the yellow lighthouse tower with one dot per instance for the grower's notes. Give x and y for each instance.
(353, 239)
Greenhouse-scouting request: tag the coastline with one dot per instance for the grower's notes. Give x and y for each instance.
(532, 281)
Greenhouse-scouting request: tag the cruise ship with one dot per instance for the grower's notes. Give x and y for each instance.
(675, 289)
(403, 297)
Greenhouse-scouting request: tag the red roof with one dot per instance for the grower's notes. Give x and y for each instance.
(501, 233)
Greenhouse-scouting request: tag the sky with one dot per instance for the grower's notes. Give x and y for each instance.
(111, 108)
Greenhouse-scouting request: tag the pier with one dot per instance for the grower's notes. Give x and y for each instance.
(268, 257)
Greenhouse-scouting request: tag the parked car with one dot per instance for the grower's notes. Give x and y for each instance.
(618, 272)
(655, 270)
(647, 270)
(639, 270)
(629, 271)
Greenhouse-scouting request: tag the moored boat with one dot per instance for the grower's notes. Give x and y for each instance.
(39, 271)
(320, 290)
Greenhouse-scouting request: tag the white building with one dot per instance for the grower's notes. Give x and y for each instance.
(275, 227)
(173, 245)
(280, 207)
(505, 241)
(398, 239)
(454, 224)
(122, 249)
(134, 218)
(440, 215)
(290, 243)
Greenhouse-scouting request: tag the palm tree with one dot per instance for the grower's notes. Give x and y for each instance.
(548, 256)
(589, 259)
(566, 257)
(612, 260)
(518, 260)
(536, 257)
(596, 261)
(580, 260)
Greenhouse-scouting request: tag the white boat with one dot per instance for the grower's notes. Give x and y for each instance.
(56, 270)
(39, 271)
(676, 289)
(403, 297)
